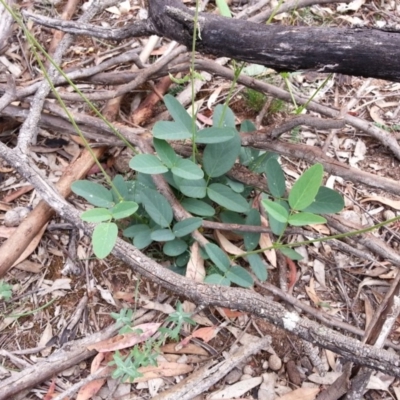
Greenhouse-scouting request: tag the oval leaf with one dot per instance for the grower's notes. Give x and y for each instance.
(94, 193)
(227, 198)
(157, 206)
(187, 169)
(219, 158)
(165, 152)
(258, 267)
(251, 239)
(124, 209)
(306, 188)
(175, 248)
(217, 279)
(169, 130)
(178, 112)
(96, 215)
(215, 135)
(275, 210)
(104, 238)
(147, 164)
(290, 253)
(191, 188)
(186, 226)
(240, 276)
(198, 207)
(217, 256)
(305, 218)
(162, 235)
(327, 201)
(275, 178)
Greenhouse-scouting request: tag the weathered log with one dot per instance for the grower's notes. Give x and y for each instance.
(362, 51)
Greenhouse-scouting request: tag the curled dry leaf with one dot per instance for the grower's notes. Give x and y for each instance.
(126, 340)
(195, 270)
(389, 202)
(265, 241)
(226, 245)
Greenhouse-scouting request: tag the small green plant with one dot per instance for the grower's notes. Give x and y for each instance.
(127, 366)
(205, 191)
(277, 105)
(254, 99)
(5, 291)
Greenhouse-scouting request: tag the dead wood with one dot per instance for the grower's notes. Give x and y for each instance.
(359, 51)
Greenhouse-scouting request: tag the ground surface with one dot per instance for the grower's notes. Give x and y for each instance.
(54, 303)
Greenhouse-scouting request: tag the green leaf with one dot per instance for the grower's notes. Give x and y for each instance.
(191, 188)
(182, 259)
(217, 256)
(223, 117)
(258, 267)
(162, 235)
(178, 112)
(305, 218)
(94, 193)
(147, 164)
(169, 130)
(247, 126)
(219, 158)
(227, 198)
(217, 279)
(260, 163)
(290, 253)
(276, 210)
(215, 135)
(306, 188)
(175, 248)
(240, 276)
(124, 209)
(236, 186)
(165, 152)
(122, 188)
(198, 207)
(251, 239)
(134, 230)
(188, 225)
(143, 238)
(278, 227)
(157, 206)
(104, 239)
(187, 169)
(96, 215)
(223, 8)
(327, 201)
(275, 178)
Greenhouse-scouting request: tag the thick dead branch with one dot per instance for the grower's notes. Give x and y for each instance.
(351, 51)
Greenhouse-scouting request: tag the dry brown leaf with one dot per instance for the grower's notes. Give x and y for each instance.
(226, 245)
(195, 270)
(6, 231)
(228, 313)
(265, 241)
(379, 199)
(312, 294)
(32, 246)
(163, 369)
(90, 389)
(331, 357)
(29, 266)
(126, 340)
(369, 311)
(190, 348)
(206, 334)
(301, 394)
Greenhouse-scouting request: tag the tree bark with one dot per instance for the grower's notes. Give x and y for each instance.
(352, 51)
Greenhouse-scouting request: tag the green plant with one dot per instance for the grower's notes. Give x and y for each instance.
(254, 99)
(5, 291)
(205, 190)
(127, 366)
